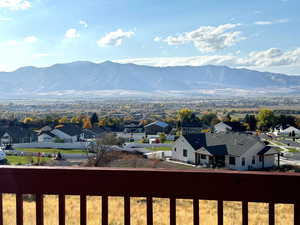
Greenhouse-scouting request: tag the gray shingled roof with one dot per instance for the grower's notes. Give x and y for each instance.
(224, 143)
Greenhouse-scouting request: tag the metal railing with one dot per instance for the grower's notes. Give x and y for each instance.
(217, 185)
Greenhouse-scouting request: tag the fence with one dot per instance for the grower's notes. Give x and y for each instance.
(173, 184)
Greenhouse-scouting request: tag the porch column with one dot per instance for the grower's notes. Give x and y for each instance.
(278, 160)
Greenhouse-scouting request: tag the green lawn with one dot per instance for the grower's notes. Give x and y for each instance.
(293, 150)
(160, 148)
(23, 160)
(51, 150)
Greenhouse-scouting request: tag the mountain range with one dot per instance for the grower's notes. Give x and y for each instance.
(83, 78)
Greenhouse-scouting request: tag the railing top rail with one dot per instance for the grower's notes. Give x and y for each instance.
(203, 184)
(161, 170)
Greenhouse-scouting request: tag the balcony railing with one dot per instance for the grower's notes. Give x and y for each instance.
(217, 185)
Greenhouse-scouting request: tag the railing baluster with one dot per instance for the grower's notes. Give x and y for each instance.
(220, 212)
(297, 213)
(61, 209)
(196, 211)
(1, 209)
(104, 210)
(245, 212)
(271, 214)
(126, 210)
(149, 211)
(172, 211)
(19, 209)
(39, 209)
(83, 209)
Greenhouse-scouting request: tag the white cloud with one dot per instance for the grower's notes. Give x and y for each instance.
(259, 59)
(39, 55)
(30, 39)
(84, 23)
(271, 22)
(208, 38)
(4, 19)
(71, 33)
(15, 4)
(157, 39)
(114, 38)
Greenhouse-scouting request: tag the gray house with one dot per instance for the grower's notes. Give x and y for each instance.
(229, 150)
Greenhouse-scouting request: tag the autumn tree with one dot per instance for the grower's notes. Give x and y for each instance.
(87, 123)
(210, 119)
(27, 120)
(63, 120)
(74, 119)
(184, 115)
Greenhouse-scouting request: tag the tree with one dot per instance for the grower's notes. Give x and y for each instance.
(74, 119)
(210, 119)
(251, 122)
(227, 118)
(27, 120)
(63, 120)
(103, 147)
(87, 123)
(184, 115)
(265, 119)
(94, 118)
(162, 137)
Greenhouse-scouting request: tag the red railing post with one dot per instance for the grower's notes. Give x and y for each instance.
(61, 209)
(104, 210)
(19, 208)
(220, 212)
(126, 210)
(196, 211)
(83, 209)
(149, 211)
(39, 201)
(1, 209)
(245, 212)
(172, 211)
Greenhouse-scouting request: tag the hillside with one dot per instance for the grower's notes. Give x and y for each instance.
(84, 78)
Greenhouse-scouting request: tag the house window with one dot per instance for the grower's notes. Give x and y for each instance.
(243, 162)
(175, 149)
(260, 158)
(253, 159)
(185, 154)
(203, 156)
(231, 160)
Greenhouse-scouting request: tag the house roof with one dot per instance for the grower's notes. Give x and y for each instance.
(17, 132)
(158, 123)
(70, 129)
(235, 126)
(48, 133)
(290, 129)
(268, 150)
(224, 143)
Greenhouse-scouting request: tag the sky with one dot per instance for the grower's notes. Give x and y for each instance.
(257, 34)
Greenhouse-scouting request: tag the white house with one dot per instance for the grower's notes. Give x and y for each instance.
(287, 131)
(229, 150)
(68, 133)
(229, 126)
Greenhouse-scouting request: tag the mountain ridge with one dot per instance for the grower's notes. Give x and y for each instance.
(86, 76)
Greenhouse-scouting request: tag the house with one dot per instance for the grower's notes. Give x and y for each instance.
(17, 134)
(91, 133)
(229, 126)
(192, 127)
(66, 133)
(237, 151)
(288, 131)
(157, 127)
(133, 127)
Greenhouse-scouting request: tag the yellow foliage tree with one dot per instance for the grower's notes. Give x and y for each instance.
(63, 120)
(27, 120)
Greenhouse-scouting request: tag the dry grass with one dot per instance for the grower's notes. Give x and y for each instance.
(258, 212)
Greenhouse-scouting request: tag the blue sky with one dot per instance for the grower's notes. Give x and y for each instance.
(256, 34)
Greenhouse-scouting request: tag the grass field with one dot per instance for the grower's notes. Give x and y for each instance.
(258, 212)
(23, 160)
(160, 148)
(51, 150)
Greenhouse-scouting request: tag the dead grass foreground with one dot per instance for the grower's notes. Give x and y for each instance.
(258, 212)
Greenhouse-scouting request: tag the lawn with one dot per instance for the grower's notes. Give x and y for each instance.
(51, 150)
(258, 212)
(23, 160)
(160, 148)
(293, 150)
